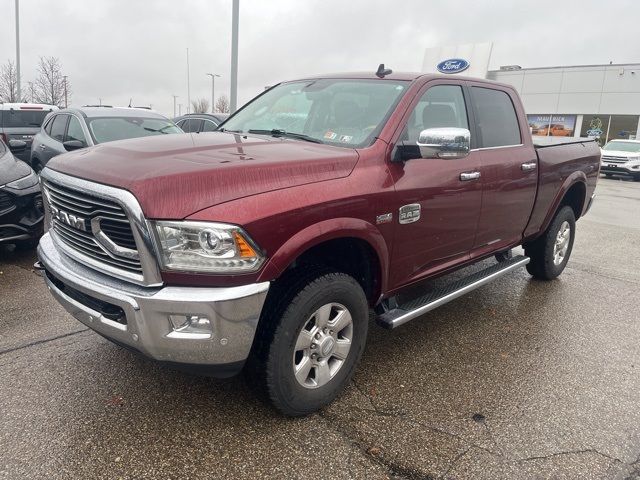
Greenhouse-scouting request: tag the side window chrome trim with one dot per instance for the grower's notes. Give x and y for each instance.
(496, 148)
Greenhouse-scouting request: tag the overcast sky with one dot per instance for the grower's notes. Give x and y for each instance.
(121, 49)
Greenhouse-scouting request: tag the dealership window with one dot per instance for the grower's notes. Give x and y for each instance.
(609, 127)
(552, 125)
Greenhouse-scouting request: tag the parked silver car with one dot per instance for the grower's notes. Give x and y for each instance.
(75, 128)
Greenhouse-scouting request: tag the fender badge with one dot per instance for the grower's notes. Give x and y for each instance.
(409, 213)
(384, 218)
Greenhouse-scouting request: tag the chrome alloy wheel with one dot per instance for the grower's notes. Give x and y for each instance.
(323, 345)
(561, 245)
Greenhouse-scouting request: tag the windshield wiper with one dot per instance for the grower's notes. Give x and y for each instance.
(229, 131)
(276, 132)
(158, 130)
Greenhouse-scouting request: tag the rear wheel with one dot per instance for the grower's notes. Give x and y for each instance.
(311, 337)
(550, 253)
(636, 178)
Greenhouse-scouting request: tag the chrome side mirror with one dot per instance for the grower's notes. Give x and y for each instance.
(446, 143)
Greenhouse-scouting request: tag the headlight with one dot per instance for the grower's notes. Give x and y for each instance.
(24, 182)
(206, 247)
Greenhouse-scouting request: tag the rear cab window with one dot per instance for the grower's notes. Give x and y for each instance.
(22, 118)
(496, 119)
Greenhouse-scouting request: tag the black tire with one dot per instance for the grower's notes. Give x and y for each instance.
(541, 251)
(290, 304)
(636, 178)
(608, 175)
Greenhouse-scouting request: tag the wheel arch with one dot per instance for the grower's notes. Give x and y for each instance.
(350, 245)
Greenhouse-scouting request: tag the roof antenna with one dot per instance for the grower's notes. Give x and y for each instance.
(382, 72)
(130, 101)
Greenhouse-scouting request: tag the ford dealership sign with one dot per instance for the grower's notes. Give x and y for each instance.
(453, 65)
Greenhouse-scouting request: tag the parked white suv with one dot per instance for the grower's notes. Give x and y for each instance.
(621, 157)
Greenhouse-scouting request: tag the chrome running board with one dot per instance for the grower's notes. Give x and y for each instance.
(402, 313)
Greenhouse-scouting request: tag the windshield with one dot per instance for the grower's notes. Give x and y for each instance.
(622, 146)
(109, 129)
(333, 111)
(23, 118)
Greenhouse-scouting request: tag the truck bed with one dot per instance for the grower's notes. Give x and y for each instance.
(561, 162)
(543, 142)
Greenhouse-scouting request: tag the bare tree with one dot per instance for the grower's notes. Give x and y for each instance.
(222, 104)
(51, 86)
(9, 83)
(200, 106)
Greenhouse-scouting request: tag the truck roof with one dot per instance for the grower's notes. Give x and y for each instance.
(27, 106)
(401, 76)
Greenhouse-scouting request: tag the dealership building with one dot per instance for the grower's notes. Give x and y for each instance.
(599, 101)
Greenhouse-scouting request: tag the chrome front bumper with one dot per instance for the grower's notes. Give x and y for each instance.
(233, 312)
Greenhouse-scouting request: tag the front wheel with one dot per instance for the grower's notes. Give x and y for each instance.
(550, 253)
(311, 337)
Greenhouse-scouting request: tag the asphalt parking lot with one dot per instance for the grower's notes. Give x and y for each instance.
(519, 379)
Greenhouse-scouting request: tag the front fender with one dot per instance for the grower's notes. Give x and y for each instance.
(321, 232)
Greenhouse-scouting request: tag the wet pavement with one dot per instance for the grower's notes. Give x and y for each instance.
(519, 379)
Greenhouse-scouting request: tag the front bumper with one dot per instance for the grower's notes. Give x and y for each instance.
(620, 169)
(21, 214)
(138, 317)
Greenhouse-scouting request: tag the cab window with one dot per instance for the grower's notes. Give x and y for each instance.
(440, 106)
(496, 119)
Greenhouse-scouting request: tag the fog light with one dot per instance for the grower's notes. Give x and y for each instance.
(190, 326)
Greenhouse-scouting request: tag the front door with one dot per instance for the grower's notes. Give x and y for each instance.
(441, 196)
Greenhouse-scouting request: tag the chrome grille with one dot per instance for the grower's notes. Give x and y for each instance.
(79, 237)
(614, 159)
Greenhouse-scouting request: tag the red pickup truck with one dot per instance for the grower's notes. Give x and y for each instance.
(266, 245)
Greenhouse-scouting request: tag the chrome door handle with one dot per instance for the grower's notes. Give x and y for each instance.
(466, 176)
(527, 167)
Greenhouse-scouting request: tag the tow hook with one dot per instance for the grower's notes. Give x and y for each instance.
(38, 268)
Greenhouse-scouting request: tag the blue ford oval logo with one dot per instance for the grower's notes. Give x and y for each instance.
(453, 65)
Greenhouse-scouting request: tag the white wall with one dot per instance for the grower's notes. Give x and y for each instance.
(601, 89)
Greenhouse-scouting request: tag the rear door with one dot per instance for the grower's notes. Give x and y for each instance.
(448, 203)
(508, 167)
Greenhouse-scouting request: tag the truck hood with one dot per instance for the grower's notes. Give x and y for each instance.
(177, 175)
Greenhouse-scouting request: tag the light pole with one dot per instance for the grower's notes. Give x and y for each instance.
(235, 14)
(213, 91)
(100, 100)
(174, 105)
(64, 77)
(18, 87)
(179, 109)
(188, 85)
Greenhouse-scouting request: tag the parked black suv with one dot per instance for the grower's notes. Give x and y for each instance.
(21, 210)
